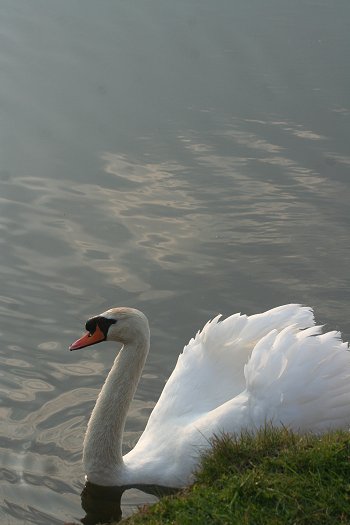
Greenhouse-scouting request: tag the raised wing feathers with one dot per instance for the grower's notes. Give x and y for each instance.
(210, 371)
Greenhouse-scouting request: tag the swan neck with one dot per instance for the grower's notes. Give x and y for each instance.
(102, 455)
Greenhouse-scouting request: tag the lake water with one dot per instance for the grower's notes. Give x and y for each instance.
(185, 158)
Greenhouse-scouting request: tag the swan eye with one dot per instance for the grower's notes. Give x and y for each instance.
(101, 322)
(91, 325)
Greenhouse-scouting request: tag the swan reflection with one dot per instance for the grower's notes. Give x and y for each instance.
(103, 504)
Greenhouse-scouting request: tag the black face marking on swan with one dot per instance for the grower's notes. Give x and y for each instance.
(102, 322)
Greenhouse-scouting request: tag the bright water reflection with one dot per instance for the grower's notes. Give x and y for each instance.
(183, 159)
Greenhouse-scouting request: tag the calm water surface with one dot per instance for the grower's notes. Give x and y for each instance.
(184, 158)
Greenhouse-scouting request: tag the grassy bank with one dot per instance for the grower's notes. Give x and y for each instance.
(276, 477)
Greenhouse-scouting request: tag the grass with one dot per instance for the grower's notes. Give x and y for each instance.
(275, 477)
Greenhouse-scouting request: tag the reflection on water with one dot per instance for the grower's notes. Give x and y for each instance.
(103, 504)
(182, 159)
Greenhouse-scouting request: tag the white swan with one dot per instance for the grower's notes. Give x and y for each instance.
(235, 374)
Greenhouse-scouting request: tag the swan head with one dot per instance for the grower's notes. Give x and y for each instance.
(124, 325)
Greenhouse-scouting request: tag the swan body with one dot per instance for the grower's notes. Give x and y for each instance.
(236, 374)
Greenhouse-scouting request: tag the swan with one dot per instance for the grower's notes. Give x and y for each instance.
(236, 374)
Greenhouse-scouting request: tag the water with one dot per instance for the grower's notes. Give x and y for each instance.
(185, 158)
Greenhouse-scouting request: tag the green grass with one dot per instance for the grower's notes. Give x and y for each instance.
(273, 478)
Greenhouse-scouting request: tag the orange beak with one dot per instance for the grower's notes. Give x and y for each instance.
(88, 339)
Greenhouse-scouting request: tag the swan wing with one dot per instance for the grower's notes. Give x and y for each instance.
(210, 370)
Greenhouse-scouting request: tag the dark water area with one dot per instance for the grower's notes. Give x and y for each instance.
(184, 158)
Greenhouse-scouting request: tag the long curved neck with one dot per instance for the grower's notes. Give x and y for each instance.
(102, 454)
